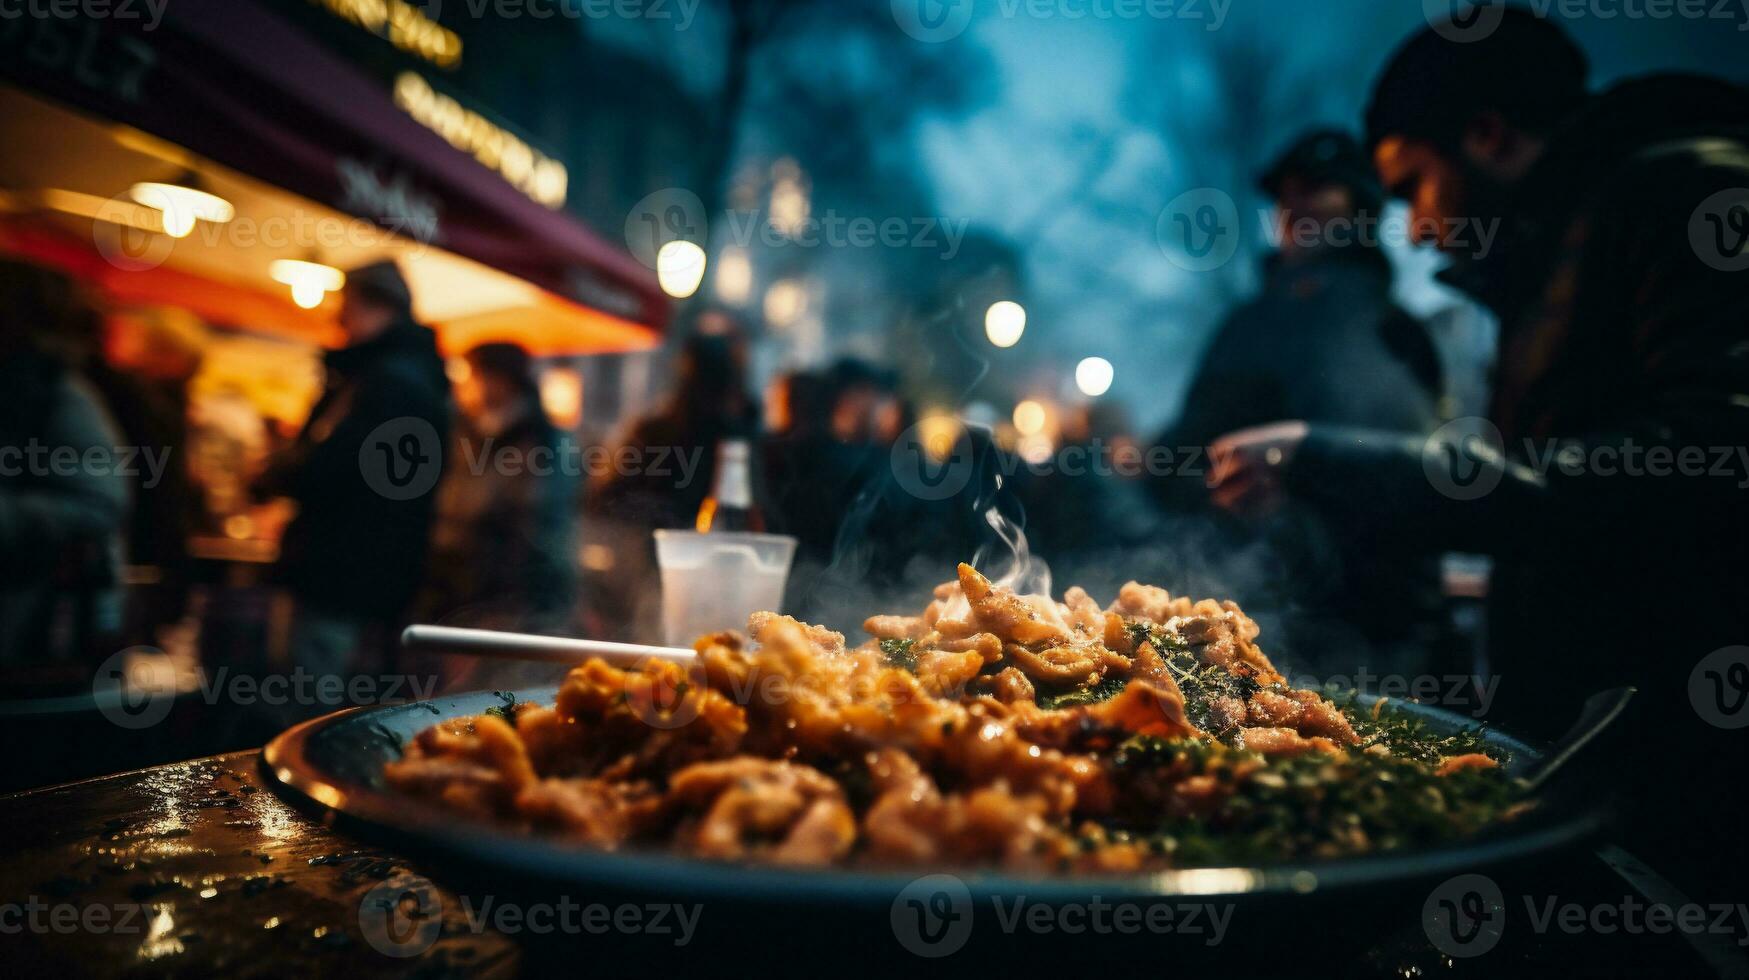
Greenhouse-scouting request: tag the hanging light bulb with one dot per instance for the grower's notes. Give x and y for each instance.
(181, 205)
(307, 294)
(310, 282)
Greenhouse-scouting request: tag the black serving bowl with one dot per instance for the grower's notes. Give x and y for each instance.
(1265, 919)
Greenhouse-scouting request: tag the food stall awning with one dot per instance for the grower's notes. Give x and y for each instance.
(235, 84)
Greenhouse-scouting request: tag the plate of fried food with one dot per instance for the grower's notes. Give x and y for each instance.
(1146, 747)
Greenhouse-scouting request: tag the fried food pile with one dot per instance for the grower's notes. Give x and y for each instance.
(993, 729)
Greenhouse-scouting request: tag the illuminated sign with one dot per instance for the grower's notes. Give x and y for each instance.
(526, 168)
(403, 25)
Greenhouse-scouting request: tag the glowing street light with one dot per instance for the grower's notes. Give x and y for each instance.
(785, 302)
(680, 268)
(1004, 322)
(734, 276)
(1094, 376)
(938, 432)
(310, 282)
(1029, 418)
(180, 207)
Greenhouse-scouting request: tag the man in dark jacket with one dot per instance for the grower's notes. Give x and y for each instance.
(362, 472)
(1608, 482)
(1322, 340)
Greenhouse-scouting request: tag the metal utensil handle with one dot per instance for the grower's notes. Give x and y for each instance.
(528, 646)
(1600, 710)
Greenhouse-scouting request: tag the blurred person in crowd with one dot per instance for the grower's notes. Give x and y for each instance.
(361, 474)
(936, 498)
(1084, 502)
(64, 501)
(146, 363)
(865, 408)
(710, 400)
(663, 467)
(798, 431)
(504, 552)
(1622, 222)
(1323, 341)
(796, 405)
(844, 427)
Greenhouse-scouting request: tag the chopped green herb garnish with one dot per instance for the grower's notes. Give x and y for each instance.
(1201, 684)
(1407, 736)
(507, 710)
(1103, 689)
(1309, 805)
(900, 653)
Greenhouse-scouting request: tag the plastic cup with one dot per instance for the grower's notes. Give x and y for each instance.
(713, 582)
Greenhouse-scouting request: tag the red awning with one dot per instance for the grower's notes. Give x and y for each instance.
(232, 82)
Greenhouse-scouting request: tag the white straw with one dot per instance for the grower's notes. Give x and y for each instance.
(527, 646)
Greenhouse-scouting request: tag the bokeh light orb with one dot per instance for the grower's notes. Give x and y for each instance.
(1004, 322)
(1094, 376)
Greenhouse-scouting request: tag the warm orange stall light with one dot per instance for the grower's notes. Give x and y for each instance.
(181, 207)
(546, 325)
(561, 394)
(310, 282)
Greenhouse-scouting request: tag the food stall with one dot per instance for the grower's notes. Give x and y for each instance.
(208, 180)
(305, 166)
